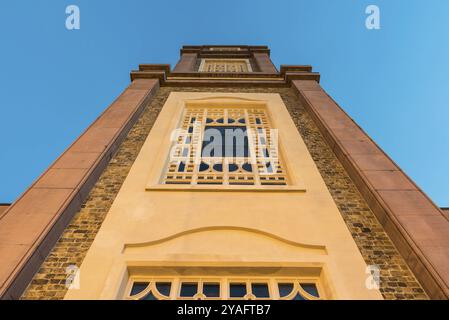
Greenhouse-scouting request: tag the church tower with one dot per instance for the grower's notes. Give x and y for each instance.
(224, 178)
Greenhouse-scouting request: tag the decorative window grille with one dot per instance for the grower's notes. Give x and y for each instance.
(213, 288)
(225, 65)
(247, 156)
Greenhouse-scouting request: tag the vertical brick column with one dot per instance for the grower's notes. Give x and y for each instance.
(30, 227)
(264, 62)
(186, 63)
(418, 228)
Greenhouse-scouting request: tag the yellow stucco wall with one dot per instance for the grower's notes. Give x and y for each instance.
(298, 228)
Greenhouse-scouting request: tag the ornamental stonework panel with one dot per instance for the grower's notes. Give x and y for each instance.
(225, 65)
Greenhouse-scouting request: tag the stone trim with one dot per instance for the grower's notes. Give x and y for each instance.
(239, 49)
(186, 74)
(3, 208)
(32, 225)
(186, 63)
(264, 63)
(414, 223)
(445, 212)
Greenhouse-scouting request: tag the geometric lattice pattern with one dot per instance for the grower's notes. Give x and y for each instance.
(222, 289)
(259, 165)
(225, 65)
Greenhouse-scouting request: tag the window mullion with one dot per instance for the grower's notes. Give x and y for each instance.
(198, 148)
(250, 131)
(274, 290)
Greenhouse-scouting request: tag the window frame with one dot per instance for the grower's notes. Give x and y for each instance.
(225, 282)
(291, 147)
(290, 184)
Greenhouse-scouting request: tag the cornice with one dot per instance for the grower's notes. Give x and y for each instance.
(205, 49)
(168, 78)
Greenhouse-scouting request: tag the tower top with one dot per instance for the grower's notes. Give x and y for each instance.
(218, 65)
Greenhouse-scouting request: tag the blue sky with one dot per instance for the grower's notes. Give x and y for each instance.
(393, 81)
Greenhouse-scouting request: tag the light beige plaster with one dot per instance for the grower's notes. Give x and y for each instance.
(187, 228)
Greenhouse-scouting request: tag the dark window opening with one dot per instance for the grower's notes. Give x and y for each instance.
(189, 289)
(225, 141)
(163, 288)
(138, 287)
(260, 290)
(311, 289)
(285, 289)
(211, 290)
(237, 290)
